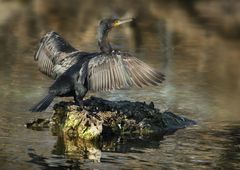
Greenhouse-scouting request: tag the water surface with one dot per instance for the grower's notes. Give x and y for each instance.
(196, 45)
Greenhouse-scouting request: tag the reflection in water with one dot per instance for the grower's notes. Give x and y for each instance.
(78, 151)
(195, 43)
(192, 147)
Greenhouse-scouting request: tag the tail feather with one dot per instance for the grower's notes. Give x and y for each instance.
(43, 104)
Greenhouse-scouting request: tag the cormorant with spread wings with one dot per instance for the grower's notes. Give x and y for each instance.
(75, 72)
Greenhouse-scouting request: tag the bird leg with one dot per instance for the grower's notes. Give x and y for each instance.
(80, 92)
(78, 100)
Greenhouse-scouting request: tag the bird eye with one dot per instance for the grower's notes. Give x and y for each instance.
(115, 23)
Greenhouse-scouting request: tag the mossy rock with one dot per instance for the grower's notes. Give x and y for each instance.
(99, 117)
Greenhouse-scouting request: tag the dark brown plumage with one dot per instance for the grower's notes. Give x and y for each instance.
(75, 72)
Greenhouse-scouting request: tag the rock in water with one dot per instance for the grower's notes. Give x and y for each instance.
(101, 117)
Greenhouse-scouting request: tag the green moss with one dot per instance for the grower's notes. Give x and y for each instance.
(119, 118)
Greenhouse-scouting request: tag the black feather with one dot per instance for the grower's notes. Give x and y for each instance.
(43, 104)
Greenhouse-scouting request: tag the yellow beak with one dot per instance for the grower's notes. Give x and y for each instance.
(122, 21)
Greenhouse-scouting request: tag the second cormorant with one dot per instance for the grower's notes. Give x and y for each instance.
(75, 72)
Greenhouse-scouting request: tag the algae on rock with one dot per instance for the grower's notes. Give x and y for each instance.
(100, 117)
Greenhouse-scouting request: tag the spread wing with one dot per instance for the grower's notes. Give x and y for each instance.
(108, 72)
(55, 55)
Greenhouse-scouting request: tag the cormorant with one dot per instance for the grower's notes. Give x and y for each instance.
(75, 72)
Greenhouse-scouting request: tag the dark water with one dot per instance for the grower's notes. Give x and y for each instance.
(196, 44)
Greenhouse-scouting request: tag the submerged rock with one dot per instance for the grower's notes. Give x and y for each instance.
(37, 123)
(100, 117)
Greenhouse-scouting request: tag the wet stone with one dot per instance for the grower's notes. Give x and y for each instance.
(100, 117)
(37, 123)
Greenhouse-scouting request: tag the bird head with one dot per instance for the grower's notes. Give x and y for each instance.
(113, 22)
(104, 27)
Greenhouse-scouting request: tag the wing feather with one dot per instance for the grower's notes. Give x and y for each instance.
(54, 55)
(147, 74)
(115, 71)
(112, 85)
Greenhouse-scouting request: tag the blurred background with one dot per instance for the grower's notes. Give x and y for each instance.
(196, 44)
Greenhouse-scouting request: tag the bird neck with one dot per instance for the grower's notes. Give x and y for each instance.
(103, 41)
